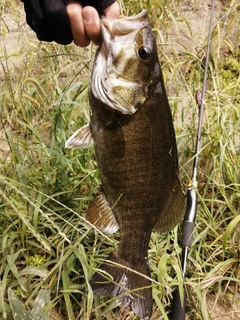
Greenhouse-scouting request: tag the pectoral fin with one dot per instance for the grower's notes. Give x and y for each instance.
(81, 139)
(100, 214)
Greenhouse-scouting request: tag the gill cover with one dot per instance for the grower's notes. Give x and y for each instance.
(123, 65)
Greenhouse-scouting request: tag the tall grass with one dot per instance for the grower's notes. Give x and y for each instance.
(48, 250)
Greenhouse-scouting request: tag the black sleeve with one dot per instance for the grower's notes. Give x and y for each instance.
(49, 20)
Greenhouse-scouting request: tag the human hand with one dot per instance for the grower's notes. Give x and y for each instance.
(80, 22)
(85, 22)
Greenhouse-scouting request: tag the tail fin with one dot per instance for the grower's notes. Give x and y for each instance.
(117, 278)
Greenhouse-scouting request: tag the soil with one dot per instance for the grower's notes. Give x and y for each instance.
(16, 36)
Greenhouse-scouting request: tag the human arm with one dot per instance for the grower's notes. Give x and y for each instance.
(64, 21)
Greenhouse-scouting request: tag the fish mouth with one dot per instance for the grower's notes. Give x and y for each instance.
(123, 26)
(107, 80)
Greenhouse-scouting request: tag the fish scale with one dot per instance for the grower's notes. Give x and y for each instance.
(132, 131)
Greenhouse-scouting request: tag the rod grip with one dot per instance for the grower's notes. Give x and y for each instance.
(178, 310)
(189, 218)
(187, 234)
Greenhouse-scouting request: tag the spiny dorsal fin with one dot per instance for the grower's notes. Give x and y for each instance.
(173, 211)
(100, 214)
(81, 139)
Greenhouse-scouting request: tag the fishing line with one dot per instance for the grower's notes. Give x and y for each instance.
(201, 102)
(179, 299)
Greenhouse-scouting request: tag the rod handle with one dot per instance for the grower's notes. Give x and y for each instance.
(187, 234)
(178, 310)
(189, 218)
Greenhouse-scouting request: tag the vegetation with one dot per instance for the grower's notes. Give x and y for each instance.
(48, 251)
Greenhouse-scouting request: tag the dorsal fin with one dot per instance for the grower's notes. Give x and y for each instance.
(81, 139)
(173, 210)
(100, 214)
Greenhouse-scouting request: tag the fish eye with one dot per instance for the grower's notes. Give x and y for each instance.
(144, 52)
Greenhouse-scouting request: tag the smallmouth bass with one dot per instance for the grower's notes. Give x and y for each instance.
(132, 130)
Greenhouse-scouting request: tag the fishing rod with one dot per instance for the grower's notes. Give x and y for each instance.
(179, 303)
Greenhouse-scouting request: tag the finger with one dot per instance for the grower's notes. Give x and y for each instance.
(92, 24)
(74, 12)
(113, 11)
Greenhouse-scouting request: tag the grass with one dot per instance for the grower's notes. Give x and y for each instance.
(48, 252)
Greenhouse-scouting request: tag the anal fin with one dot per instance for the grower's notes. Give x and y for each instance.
(100, 214)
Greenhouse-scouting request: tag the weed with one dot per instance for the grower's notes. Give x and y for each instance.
(48, 251)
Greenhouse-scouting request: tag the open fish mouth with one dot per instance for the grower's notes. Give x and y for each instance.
(111, 82)
(123, 26)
